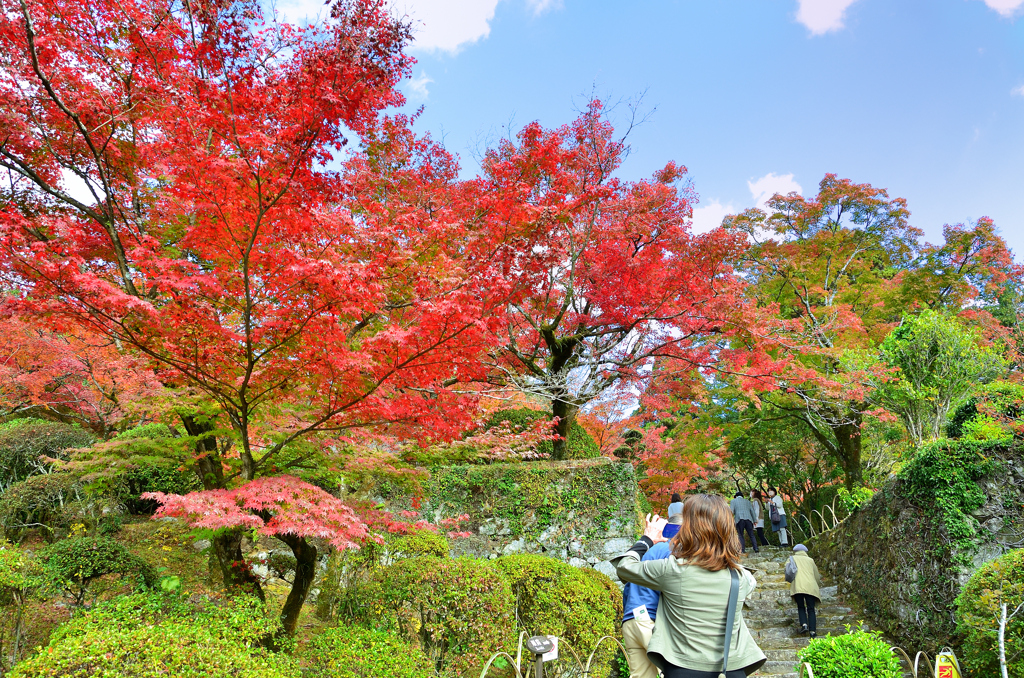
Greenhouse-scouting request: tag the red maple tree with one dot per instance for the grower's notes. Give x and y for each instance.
(611, 279)
(293, 282)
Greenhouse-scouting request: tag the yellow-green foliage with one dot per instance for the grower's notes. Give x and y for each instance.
(553, 598)
(357, 652)
(978, 610)
(458, 610)
(183, 650)
(419, 543)
(156, 635)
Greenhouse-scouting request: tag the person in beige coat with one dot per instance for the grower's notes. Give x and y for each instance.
(806, 589)
(694, 581)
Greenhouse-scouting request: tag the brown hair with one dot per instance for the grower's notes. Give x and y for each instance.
(707, 537)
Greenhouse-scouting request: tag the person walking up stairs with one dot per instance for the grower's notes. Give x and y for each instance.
(772, 618)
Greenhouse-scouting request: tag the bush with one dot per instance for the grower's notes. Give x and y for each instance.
(557, 599)
(25, 442)
(419, 543)
(147, 441)
(356, 652)
(1002, 402)
(579, 444)
(73, 564)
(170, 649)
(858, 654)
(997, 582)
(242, 619)
(46, 501)
(459, 610)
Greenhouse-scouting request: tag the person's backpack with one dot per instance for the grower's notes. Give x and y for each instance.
(791, 570)
(773, 512)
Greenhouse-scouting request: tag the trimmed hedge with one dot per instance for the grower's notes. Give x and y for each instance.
(978, 611)
(458, 610)
(557, 599)
(179, 649)
(356, 652)
(51, 502)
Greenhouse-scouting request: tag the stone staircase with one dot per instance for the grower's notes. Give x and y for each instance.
(771, 615)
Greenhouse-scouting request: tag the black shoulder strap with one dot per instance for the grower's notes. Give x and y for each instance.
(730, 618)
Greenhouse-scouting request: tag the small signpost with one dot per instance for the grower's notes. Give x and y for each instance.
(946, 666)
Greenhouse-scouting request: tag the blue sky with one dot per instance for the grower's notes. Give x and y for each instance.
(924, 98)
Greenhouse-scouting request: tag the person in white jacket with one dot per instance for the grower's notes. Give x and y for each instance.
(775, 500)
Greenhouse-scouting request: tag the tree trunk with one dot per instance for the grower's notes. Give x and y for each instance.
(566, 413)
(849, 442)
(227, 546)
(305, 571)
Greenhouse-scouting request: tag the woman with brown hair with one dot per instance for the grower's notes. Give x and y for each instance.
(695, 582)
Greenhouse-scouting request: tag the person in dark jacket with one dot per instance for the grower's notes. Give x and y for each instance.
(640, 608)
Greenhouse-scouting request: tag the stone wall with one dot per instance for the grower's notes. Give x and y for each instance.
(895, 555)
(582, 512)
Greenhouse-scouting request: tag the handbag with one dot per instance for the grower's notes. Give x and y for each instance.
(730, 619)
(773, 512)
(791, 570)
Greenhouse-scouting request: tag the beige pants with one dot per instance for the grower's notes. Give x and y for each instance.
(636, 636)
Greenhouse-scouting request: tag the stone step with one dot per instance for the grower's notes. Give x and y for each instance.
(777, 668)
(787, 654)
(824, 621)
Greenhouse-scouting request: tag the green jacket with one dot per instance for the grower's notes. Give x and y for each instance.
(690, 628)
(808, 579)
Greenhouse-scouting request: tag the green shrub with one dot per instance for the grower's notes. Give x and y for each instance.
(73, 564)
(1001, 401)
(978, 611)
(147, 442)
(857, 654)
(557, 599)
(579, 443)
(49, 502)
(20, 581)
(241, 618)
(356, 652)
(419, 543)
(170, 649)
(458, 610)
(25, 443)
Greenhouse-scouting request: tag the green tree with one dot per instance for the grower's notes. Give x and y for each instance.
(938, 361)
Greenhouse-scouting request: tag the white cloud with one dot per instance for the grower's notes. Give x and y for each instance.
(767, 186)
(541, 6)
(447, 25)
(822, 16)
(1006, 8)
(1018, 91)
(710, 216)
(418, 85)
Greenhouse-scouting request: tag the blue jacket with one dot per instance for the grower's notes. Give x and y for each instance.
(633, 595)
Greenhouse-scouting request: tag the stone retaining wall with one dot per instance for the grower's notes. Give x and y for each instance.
(885, 555)
(581, 512)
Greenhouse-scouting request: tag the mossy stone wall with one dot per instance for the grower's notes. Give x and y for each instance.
(905, 557)
(581, 512)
